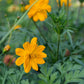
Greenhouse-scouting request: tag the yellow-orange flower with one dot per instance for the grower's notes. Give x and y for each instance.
(64, 2)
(31, 55)
(17, 27)
(13, 8)
(6, 48)
(39, 10)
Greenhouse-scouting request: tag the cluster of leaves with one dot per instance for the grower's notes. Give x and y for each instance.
(66, 73)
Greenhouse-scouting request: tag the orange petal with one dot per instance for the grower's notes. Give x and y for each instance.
(40, 48)
(39, 60)
(20, 52)
(34, 40)
(35, 17)
(48, 8)
(26, 45)
(26, 7)
(33, 44)
(19, 61)
(27, 65)
(41, 16)
(34, 65)
(41, 55)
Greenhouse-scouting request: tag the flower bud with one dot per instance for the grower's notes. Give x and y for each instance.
(9, 60)
(6, 48)
(67, 52)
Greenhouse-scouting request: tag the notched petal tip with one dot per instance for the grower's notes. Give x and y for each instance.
(34, 39)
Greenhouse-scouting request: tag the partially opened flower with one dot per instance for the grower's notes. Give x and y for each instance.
(31, 55)
(13, 8)
(6, 48)
(17, 27)
(39, 10)
(64, 2)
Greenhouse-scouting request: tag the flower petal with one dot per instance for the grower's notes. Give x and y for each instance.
(33, 44)
(26, 45)
(41, 55)
(19, 61)
(20, 52)
(35, 17)
(39, 60)
(34, 65)
(40, 48)
(41, 16)
(26, 7)
(27, 65)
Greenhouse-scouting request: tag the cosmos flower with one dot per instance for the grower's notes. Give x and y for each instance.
(31, 55)
(39, 10)
(64, 2)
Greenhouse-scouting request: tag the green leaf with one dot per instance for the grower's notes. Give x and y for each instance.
(53, 77)
(24, 82)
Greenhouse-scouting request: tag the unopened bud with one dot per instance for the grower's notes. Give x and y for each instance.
(5, 15)
(67, 52)
(18, 17)
(22, 3)
(6, 48)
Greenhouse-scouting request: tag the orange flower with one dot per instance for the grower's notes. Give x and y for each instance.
(64, 2)
(39, 10)
(31, 55)
(9, 60)
(17, 27)
(7, 48)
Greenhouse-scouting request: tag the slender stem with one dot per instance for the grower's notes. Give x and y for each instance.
(3, 82)
(39, 31)
(1, 54)
(9, 37)
(59, 5)
(58, 46)
(79, 11)
(67, 10)
(20, 77)
(17, 22)
(42, 35)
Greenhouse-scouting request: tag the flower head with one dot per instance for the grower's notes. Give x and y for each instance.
(9, 60)
(64, 2)
(39, 10)
(17, 27)
(31, 55)
(13, 8)
(6, 48)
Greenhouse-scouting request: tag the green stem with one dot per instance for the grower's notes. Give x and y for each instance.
(67, 10)
(17, 22)
(18, 81)
(3, 82)
(79, 11)
(58, 46)
(42, 36)
(39, 31)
